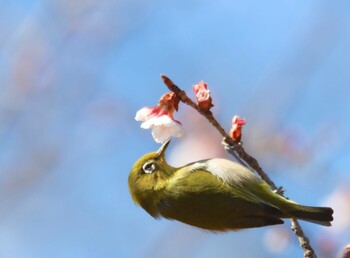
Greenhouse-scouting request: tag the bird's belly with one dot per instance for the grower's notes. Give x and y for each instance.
(208, 214)
(217, 214)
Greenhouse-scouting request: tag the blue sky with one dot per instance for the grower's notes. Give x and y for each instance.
(74, 73)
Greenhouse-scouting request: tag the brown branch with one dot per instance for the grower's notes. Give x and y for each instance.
(207, 114)
(183, 97)
(303, 240)
(238, 151)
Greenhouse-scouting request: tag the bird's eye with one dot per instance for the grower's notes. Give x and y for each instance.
(148, 167)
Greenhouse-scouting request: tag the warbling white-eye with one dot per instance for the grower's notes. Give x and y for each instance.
(213, 194)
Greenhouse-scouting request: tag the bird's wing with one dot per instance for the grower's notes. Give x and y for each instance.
(201, 198)
(231, 177)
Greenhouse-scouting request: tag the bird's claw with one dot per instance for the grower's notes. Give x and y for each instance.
(279, 190)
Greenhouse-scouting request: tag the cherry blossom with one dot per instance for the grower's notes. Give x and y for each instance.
(160, 118)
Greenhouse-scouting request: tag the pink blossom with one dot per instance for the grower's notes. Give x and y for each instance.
(236, 129)
(160, 118)
(203, 95)
(146, 113)
(200, 86)
(204, 100)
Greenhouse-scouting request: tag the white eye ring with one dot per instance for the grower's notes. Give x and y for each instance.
(148, 167)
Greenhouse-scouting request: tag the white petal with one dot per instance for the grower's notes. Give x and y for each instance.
(164, 120)
(144, 114)
(177, 130)
(148, 123)
(162, 132)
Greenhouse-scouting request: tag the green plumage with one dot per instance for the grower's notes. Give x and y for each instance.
(214, 194)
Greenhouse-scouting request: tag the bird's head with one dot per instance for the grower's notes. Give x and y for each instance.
(149, 174)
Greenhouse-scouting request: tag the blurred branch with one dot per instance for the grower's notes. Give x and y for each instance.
(237, 150)
(346, 252)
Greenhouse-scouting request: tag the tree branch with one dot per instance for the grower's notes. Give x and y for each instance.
(237, 150)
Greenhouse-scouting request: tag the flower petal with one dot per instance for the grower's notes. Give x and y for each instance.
(177, 130)
(203, 95)
(146, 113)
(200, 86)
(161, 133)
(237, 120)
(160, 118)
(164, 120)
(149, 123)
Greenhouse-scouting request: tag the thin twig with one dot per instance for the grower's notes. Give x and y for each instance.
(208, 115)
(241, 155)
(183, 97)
(303, 240)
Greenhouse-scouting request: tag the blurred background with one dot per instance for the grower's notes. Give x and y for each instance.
(74, 73)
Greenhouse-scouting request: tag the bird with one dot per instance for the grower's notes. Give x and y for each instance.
(213, 194)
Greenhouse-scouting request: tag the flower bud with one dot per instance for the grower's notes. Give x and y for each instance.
(236, 129)
(204, 101)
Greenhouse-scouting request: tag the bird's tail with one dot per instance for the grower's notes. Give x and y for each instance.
(291, 209)
(319, 215)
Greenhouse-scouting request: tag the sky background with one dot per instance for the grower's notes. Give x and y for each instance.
(74, 73)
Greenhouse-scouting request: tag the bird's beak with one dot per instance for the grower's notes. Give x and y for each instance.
(162, 149)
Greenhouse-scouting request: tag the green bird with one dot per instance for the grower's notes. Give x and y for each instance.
(213, 194)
